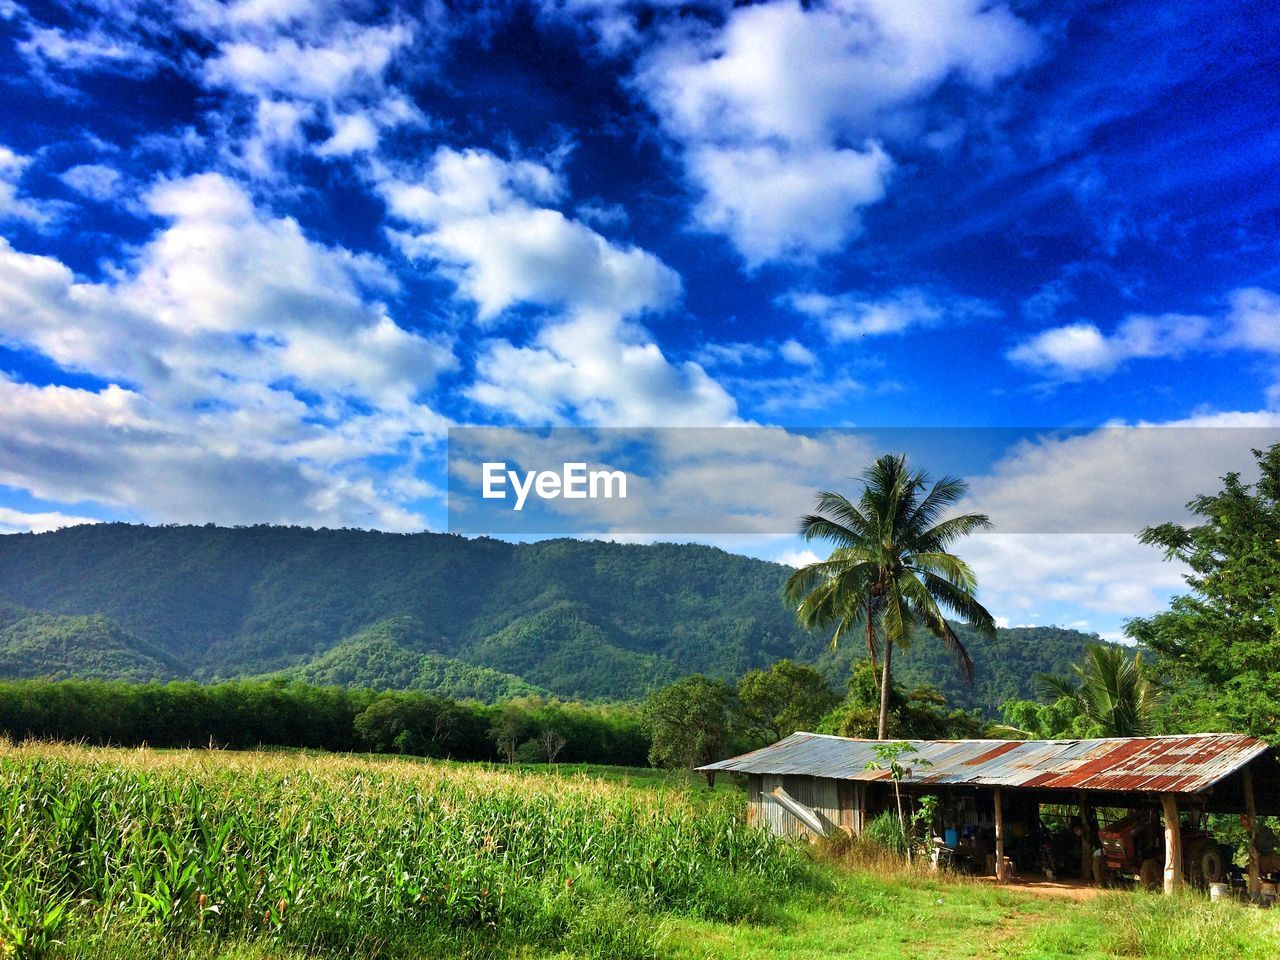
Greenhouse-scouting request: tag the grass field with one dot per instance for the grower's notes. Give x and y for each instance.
(205, 854)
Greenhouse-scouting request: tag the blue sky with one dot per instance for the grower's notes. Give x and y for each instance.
(257, 257)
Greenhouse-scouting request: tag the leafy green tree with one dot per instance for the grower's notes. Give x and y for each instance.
(1032, 720)
(777, 702)
(920, 713)
(1219, 645)
(689, 722)
(1110, 691)
(412, 723)
(508, 729)
(891, 568)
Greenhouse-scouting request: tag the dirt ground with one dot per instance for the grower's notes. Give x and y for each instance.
(1042, 887)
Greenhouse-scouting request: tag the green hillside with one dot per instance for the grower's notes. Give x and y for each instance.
(440, 613)
(394, 654)
(92, 647)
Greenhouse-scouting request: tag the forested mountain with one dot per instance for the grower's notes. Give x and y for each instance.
(91, 647)
(437, 612)
(395, 654)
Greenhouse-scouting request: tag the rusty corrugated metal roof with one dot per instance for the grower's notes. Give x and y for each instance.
(1175, 764)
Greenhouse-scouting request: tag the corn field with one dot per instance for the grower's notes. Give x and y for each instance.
(342, 856)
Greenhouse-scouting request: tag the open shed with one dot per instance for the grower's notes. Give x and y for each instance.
(811, 784)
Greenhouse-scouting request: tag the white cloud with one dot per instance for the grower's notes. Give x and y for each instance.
(1080, 349)
(483, 222)
(733, 354)
(292, 68)
(95, 48)
(595, 367)
(350, 57)
(1251, 321)
(783, 396)
(785, 204)
(1254, 320)
(251, 372)
(797, 558)
(96, 181)
(1108, 575)
(744, 354)
(795, 352)
(13, 204)
(18, 521)
(352, 133)
(1117, 479)
(852, 316)
(794, 103)
(479, 218)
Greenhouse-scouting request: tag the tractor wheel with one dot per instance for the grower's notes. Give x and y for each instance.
(1151, 875)
(1205, 863)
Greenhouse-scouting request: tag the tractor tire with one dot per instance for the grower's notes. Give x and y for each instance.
(1151, 875)
(1204, 863)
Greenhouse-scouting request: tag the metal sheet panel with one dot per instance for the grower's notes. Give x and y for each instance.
(1175, 764)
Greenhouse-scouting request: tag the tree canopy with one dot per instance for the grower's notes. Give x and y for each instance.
(1219, 644)
(891, 568)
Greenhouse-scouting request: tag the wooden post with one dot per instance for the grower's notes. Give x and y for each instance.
(860, 820)
(1172, 843)
(1251, 811)
(1001, 873)
(1086, 841)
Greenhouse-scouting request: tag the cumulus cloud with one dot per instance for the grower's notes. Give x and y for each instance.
(596, 367)
(94, 48)
(250, 371)
(1079, 350)
(793, 351)
(797, 558)
(96, 181)
(790, 204)
(481, 220)
(1116, 479)
(780, 92)
(349, 57)
(291, 69)
(1076, 351)
(1253, 320)
(1026, 576)
(852, 316)
(14, 204)
(20, 521)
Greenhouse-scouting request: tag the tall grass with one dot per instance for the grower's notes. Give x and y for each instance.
(343, 856)
(1190, 925)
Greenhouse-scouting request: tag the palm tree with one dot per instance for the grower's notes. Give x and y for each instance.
(1110, 689)
(890, 568)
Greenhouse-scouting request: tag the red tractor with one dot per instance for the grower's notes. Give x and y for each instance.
(1134, 847)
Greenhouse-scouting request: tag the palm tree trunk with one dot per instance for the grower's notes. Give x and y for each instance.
(884, 690)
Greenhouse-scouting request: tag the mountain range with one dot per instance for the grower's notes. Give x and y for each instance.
(478, 618)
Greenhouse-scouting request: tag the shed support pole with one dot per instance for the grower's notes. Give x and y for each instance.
(1172, 843)
(1251, 811)
(1086, 842)
(860, 817)
(1002, 874)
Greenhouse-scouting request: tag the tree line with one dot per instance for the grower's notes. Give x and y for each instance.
(248, 714)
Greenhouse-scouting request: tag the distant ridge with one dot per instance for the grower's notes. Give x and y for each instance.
(465, 617)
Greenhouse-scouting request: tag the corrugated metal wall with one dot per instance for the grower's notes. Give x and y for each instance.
(834, 801)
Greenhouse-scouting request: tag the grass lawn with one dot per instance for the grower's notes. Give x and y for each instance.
(899, 915)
